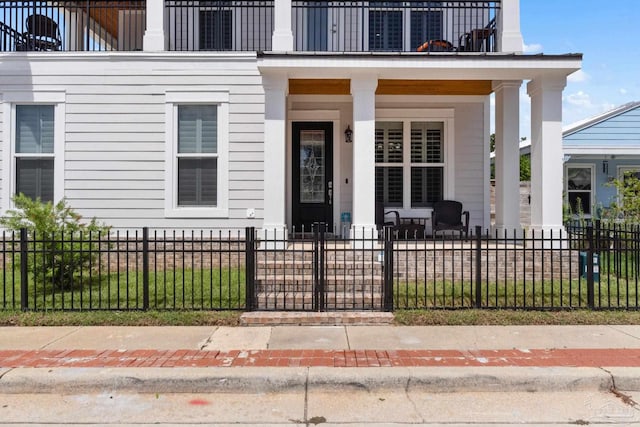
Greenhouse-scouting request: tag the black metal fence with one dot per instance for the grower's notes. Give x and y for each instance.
(588, 266)
(78, 25)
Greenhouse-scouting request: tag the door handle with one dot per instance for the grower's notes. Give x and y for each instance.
(330, 192)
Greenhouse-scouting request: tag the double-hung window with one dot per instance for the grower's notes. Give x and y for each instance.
(197, 156)
(34, 151)
(33, 139)
(412, 169)
(196, 164)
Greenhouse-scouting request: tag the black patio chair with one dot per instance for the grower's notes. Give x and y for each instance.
(42, 34)
(382, 221)
(448, 215)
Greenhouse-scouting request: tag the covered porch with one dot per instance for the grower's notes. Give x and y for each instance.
(413, 140)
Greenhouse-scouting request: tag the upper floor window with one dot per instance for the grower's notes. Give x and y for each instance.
(398, 26)
(34, 151)
(216, 29)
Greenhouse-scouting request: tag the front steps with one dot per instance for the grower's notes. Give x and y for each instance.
(353, 280)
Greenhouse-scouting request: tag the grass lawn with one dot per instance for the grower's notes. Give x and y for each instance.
(609, 292)
(205, 289)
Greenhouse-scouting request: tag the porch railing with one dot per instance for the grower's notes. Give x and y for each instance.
(395, 26)
(248, 25)
(593, 266)
(64, 25)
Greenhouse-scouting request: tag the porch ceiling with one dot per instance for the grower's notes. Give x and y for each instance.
(107, 14)
(392, 87)
(452, 67)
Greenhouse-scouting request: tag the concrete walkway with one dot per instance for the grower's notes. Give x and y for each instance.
(309, 375)
(482, 358)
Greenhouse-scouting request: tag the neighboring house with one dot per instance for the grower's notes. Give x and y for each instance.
(274, 114)
(597, 151)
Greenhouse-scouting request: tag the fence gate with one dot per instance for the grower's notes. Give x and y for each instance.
(314, 271)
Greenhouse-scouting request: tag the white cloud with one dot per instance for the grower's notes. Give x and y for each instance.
(579, 99)
(579, 77)
(623, 91)
(532, 48)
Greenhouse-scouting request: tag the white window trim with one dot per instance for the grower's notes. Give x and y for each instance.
(9, 100)
(172, 100)
(590, 166)
(407, 116)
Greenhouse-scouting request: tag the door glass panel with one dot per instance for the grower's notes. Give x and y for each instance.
(312, 166)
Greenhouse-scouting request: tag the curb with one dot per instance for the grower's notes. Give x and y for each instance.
(273, 380)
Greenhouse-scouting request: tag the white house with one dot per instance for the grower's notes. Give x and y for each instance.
(275, 113)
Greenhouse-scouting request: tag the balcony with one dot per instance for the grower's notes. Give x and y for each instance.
(248, 25)
(96, 25)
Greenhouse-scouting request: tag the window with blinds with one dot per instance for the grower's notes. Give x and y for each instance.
(197, 155)
(389, 163)
(427, 163)
(415, 159)
(34, 151)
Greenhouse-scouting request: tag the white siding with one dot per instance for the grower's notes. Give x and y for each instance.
(115, 132)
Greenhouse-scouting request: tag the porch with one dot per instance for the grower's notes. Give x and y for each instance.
(254, 25)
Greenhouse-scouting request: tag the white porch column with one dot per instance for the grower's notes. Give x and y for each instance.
(275, 167)
(154, 36)
(363, 89)
(546, 152)
(507, 159)
(282, 39)
(509, 36)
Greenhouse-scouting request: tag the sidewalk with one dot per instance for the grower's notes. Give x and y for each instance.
(276, 358)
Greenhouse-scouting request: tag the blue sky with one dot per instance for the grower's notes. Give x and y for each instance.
(606, 32)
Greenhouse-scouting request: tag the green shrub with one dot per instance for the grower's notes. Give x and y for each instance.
(60, 245)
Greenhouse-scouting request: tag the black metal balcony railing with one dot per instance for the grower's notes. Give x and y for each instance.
(248, 25)
(395, 26)
(83, 25)
(220, 25)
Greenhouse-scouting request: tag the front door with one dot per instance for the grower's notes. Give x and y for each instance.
(312, 174)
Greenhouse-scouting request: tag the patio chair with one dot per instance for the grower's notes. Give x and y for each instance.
(382, 221)
(448, 215)
(42, 34)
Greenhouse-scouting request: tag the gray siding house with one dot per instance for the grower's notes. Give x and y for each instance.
(274, 114)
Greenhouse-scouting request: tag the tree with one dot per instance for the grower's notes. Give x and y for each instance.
(525, 160)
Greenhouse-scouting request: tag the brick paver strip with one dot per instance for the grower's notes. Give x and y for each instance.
(328, 358)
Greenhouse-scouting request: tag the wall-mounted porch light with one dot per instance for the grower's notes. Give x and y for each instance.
(605, 167)
(348, 135)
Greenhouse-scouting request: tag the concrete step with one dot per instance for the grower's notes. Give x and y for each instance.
(303, 301)
(274, 318)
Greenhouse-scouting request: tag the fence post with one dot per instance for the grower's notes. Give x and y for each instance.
(321, 278)
(250, 270)
(315, 296)
(388, 269)
(478, 290)
(589, 261)
(145, 268)
(24, 274)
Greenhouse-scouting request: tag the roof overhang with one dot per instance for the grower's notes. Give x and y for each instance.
(445, 66)
(601, 151)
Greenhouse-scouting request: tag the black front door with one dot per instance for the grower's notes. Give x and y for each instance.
(312, 174)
